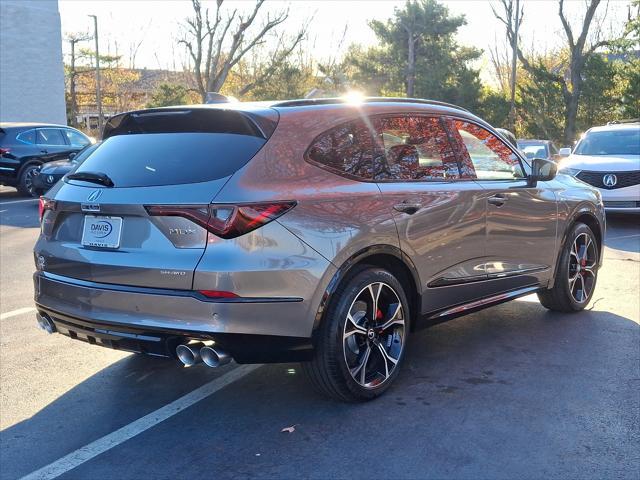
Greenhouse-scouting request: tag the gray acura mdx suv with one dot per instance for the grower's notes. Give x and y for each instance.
(310, 230)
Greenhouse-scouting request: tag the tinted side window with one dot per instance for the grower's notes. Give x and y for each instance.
(348, 148)
(27, 137)
(50, 136)
(76, 139)
(415, 148)
(485, 156)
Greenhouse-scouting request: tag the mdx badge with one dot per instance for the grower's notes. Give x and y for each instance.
(181, 231)
(90, 207)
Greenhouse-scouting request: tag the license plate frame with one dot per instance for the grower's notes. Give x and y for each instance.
(105, 233)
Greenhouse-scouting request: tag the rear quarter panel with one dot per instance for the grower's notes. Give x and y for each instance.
(335, 216)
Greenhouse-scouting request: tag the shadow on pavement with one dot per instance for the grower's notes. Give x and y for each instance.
(513, 391)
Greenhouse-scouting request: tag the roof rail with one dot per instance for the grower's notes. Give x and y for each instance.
(332, 101)
(630, 120)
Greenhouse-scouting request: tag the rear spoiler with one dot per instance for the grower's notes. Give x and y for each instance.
(257, 122)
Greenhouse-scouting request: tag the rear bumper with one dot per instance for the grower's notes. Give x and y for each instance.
(154, 321)
(163, 342)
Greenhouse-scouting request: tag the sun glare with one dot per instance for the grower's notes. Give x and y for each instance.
(353, 97)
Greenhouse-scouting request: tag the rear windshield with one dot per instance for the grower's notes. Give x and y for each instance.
(151, 159)
(154, 148)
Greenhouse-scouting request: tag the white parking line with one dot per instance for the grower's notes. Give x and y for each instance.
(19, 201)
(123, 434)
(14, 313)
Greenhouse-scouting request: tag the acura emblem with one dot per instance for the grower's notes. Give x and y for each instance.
(93, 196)
(609, 180)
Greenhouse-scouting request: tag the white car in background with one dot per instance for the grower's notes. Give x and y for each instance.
(608, 158)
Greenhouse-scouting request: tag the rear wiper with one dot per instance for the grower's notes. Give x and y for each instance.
(93, 177)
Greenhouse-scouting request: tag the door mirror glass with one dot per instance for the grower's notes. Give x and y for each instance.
(565, 152)
(543, 170)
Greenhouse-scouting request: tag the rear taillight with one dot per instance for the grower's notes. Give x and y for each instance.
(225, 220)
(4, 151)
(44, 205)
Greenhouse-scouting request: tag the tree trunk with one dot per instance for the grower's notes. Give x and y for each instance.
(572, 100)
(570, 115)
(411, 65)
(72, 86)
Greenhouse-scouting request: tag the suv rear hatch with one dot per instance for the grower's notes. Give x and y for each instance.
(97, 225)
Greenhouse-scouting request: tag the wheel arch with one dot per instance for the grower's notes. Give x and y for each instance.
(27, 164)
(590, 219)
(388, 257)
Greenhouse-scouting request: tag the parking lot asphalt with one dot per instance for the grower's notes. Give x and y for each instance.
(513, 391)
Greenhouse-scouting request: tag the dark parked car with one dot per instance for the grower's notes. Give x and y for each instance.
(25, 147)
(50, 173)
(312, 230)
(539, 149)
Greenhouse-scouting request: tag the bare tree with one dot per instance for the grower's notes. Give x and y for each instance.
(580, 49)
(216, 45)
(513, 15)
(500, 64)
(73, 39)
(135, 45)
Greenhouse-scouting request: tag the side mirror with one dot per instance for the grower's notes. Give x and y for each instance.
(564, 152)
(542, 170)
(72, 155)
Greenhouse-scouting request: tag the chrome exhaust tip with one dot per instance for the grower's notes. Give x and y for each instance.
(45, 322)
(189, 353)
(214, 357)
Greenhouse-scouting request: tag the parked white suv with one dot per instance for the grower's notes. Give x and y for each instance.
(608, 158)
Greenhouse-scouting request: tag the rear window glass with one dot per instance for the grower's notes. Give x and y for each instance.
(50, 136)
(151, 159)
(27, 137)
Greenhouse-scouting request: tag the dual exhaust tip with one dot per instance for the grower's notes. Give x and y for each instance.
(45, 323)
(188, 353)
(193, 353)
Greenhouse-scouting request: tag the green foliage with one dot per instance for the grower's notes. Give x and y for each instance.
(540, 107)
(598, 103)
(628, 82)
(289, 80)
(169, 94)
(442, 70)
(494, 108)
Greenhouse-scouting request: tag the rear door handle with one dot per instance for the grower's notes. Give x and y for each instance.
(44, 151)
(497, 200)
(407, 207)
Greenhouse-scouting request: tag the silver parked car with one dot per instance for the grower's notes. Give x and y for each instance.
(311, 230)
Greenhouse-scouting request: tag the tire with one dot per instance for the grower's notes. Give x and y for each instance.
(341, 367)
(25, 184)
(576, 275)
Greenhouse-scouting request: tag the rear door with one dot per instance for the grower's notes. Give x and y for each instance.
(52, 144)
(440, 218)
(521, 220)
(157, 163)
